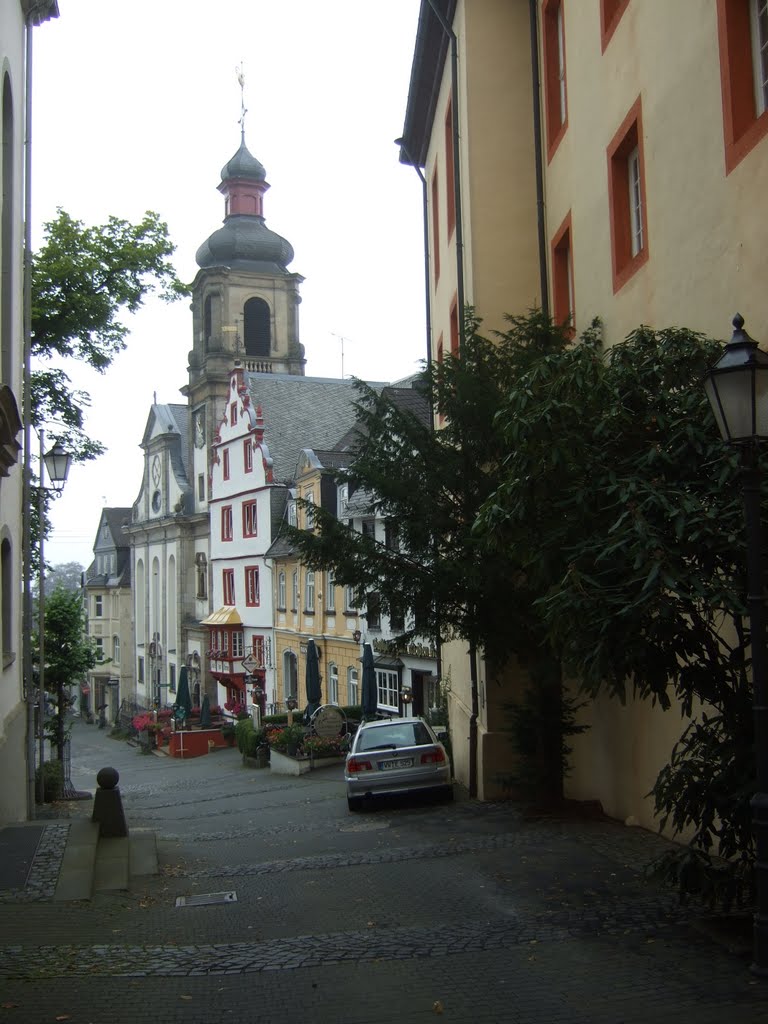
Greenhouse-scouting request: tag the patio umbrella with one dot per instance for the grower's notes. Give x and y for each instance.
(370, 691)
(205, 713)
(314, 694)
(183, 703)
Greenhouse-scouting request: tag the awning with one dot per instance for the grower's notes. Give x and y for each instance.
(226, 616)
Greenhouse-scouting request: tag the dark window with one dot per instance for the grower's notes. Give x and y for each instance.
(373, 611)
(396, 619)
(257, 328)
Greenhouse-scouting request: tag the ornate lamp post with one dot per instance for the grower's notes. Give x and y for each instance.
(737, 389)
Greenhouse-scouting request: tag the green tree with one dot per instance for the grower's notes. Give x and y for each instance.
(64, 574)
(84, 279)
(433, 484)
(637, 557)
(69, 653)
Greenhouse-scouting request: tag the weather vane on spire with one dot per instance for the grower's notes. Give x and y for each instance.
(241, 79)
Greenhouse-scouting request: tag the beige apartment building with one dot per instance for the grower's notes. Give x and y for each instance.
(595, 158)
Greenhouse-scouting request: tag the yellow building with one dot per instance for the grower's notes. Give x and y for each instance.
(309, 605)
(595, 158)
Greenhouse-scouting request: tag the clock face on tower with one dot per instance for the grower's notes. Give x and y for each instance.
(156, 471)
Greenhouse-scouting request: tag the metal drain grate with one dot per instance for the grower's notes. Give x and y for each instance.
(206, 898)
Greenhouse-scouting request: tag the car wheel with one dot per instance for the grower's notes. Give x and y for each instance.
(355, 803)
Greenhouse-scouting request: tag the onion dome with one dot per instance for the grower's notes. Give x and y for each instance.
(245, 241)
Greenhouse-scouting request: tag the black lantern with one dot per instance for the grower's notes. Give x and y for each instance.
(406, 694)
(291, 703)
(737, 388)
(57, 462)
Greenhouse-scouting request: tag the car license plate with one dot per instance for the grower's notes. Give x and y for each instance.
(404, 762)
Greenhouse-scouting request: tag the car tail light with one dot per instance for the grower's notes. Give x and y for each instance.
(358, 764)
(435, 756)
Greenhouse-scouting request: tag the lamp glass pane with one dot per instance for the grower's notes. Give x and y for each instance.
(734, 390)
(710, 390)
(761, 401)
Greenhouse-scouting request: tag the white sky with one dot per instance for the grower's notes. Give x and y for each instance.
(136, 107)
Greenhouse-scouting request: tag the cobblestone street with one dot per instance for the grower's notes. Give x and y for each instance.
(409, 912)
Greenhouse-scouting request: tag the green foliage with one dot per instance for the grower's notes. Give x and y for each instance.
(84, 281)
(53, 781)
(66, 575)
(636, 557)
(68, 653)
(248, 738)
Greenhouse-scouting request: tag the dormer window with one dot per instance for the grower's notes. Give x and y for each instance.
(343, 501)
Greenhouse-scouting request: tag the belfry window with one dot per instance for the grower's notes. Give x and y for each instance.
(256, 328)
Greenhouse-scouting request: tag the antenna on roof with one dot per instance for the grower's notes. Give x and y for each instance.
(342, 340)
(241, 79)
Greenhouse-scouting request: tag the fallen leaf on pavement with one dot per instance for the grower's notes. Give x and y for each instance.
(8, 1006)
(185, 997)
(437, 1006)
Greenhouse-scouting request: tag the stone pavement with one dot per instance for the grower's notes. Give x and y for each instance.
(411, 912)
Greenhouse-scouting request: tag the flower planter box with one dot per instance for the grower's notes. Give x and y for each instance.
(282, 764)
(194, 742)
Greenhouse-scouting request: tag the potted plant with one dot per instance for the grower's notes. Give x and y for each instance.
(228, 732)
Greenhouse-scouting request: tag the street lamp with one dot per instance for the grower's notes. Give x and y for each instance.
(737, 389)
(55, 463)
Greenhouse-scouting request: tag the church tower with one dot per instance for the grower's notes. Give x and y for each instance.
(245, 304)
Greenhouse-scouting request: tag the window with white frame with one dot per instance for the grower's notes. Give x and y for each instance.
(330, 590)
(353, 691)
(98, 606)
(252, 585)
(116, 650)
(292, 512)
(388, 688)
(99, 642)
(281, 590)
(759, 31)
(333, 683)
(350, 602)
(635, 201)
(343, 501)
(309, 591)
(309, 515)
(237, 645)
(295, 590)
(561, 62)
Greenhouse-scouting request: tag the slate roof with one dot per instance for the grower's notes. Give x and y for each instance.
(302, 412)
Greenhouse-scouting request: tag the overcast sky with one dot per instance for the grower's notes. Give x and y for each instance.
(136, 107)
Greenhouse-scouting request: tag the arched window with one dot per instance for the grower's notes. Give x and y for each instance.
(6, 597)
(290, 675)
(256, 328)
(171, 601)
(7, 155)
(141, 602)
(353, 692)
(333, 683)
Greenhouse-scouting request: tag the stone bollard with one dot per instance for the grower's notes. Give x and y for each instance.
(108, 805)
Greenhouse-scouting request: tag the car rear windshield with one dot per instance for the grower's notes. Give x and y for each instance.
(400, 734)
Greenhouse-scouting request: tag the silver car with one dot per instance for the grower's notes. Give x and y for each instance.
(395, 755)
